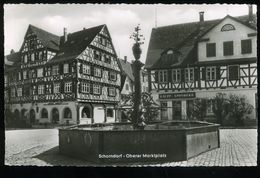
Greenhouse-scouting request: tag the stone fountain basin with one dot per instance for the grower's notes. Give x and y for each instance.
(158, 142)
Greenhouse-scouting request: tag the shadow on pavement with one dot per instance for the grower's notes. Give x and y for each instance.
(54, 158)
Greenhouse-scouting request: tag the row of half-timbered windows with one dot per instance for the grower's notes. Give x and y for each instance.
(189, 74)
(111, 91)
(97, 72)
(96, 89)
(211, 73)
(85, 87)
(163, 76)
(228, 48)
(102, 57)
(33, 56)
(68, 87)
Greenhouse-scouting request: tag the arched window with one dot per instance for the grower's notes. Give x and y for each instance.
(110, 112)
(227, 27)
(86, 112)
(44, 113)
(67, 113)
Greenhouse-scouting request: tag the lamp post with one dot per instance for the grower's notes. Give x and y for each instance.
(137, 65)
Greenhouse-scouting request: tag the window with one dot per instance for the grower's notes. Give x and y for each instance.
(55, 70)
(126, 86)
(56, 88)
(68, 87)
(41, 89)
(48, 71)
(111, 91)
(13, 92)
(44, 113)
(86, 112)
(67, 113)
(164, 111)
(85, 87)
(25, 58)
(210, 107)
(97, 72)
(112, 76)
(32, 57)
(163, 76)
(211, 73)
(110, 112)
(227, 27)
(40, 72)
(246, 46)
(24, 74)
(233, 72)
(19, 92)
(19, 76)
(228, 48)
(108, 59)
(66, 68)
(48, 89)
(86, 69)
(96, 89)
(189, 74)
(40, 55)
(96, 55)
(34, 90)
(211, 49)
(176, 75)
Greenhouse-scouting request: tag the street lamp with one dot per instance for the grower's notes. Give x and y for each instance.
(137, 65)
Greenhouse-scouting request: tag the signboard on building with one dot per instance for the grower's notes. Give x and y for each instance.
(177, 95)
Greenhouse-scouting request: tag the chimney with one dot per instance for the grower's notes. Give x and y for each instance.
(250, 13)
(125, 59)
(12, 51)
(201, 16)
(65, 34)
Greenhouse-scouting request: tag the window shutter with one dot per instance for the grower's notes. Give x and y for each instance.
(80, 87)
(101, 70)
(92, 70)
(21, 75)
(228, 48)
(91, 88)
(169, 75)
(183, 74)
(70, 65)
(62, 87)
(61, 68)
(218, 73)
(233, 72)
(196, 74)
(81, 68)
(74, 85)
(156, 76)
(204, 73)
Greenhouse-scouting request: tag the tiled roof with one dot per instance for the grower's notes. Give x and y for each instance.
(12, 59)
(181, 37)
(126, 68)
(48, 39)
(76, 43)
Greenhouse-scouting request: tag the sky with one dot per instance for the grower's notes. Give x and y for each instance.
(119, 18)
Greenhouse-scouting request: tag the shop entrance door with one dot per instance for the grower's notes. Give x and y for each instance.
(176, 110)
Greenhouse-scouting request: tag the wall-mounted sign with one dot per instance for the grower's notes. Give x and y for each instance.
(177, 95)
(57, 103)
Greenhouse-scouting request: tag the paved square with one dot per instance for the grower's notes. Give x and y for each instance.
(238, 147)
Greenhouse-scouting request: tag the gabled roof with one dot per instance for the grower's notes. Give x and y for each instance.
(181, 37)
(76, 43)
(126, 68)
(12, 59)
(48, 39)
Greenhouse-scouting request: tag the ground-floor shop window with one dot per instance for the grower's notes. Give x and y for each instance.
(110, 112)
(86, 113)
(164, 111)
(44, 113)
(67, 113)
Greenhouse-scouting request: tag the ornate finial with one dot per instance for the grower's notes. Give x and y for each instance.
(138, 38)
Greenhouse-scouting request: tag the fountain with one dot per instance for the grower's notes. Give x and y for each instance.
(137, 141)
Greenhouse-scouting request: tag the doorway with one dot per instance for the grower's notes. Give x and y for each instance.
(176, 110)
(32, 116)
(55, 115)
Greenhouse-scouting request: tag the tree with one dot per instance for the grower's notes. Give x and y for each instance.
(199, 109)
(238, 108)
(220, 107)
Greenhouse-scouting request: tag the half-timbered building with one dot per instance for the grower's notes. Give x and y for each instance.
(74, 78)
(200, 59)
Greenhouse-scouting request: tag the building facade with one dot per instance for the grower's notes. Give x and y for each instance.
(199, 60)
(74, 78)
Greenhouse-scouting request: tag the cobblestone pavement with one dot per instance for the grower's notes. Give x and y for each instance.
(40, 147)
